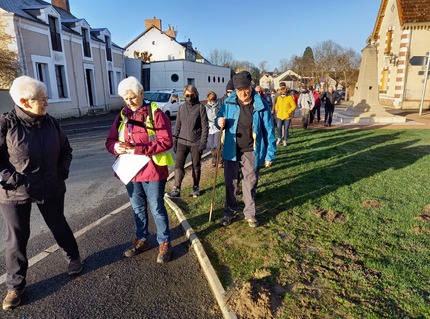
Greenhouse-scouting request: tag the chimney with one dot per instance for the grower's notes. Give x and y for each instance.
(153, 22)
(171, 32)
(62, 4)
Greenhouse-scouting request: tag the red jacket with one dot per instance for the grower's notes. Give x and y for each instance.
(317, 98)
(139, 135)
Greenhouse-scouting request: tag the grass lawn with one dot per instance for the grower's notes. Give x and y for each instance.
(344, 228)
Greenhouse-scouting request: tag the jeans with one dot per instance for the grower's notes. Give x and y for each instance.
(17, 224)
(141, 194)
(328, 114)
(286, 124)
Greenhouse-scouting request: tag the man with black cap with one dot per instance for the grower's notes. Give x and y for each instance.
(249, 143)
(228, 89)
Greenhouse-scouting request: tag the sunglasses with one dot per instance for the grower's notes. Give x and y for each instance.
(189, 95)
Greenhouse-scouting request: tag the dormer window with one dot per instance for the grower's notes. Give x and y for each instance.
(54, 28)
(108, 48)
(86, 42)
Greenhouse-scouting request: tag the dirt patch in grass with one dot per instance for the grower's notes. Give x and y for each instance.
(425, 214)
(420, 230)
(330, 216)
(254, 300)
(371, 203)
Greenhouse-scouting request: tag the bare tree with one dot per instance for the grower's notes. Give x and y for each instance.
(222, 58)
(263, 66)
(9, 65)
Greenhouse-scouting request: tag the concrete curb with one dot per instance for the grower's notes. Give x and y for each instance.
(209, 271)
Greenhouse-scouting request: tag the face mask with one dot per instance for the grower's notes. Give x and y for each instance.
(189, 99)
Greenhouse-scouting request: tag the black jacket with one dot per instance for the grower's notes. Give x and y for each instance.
(192, 126)
(35, 157)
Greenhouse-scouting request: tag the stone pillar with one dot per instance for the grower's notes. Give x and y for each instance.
(366, 89)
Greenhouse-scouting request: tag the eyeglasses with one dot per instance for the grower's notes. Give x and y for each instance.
(189, 95)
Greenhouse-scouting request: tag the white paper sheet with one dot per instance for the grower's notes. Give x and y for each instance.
(127, 166)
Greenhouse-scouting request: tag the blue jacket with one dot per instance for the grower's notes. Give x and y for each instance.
(262, 129)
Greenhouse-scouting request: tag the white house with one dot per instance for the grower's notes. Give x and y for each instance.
(161, 62)
(80, 66)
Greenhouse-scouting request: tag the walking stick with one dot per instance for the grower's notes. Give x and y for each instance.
(216, 174)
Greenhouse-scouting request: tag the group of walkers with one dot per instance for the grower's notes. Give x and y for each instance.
(35, 158)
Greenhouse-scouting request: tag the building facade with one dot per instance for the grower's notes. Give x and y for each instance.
(80, 66)
(161, 62)
(401, 31)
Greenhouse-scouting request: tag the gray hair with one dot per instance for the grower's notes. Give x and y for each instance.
(191, 88)
(25, 87)
(130, 83)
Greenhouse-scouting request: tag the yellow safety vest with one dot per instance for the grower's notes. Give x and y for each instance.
(161, 159)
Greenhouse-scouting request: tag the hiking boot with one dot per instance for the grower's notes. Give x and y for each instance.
(164, 253)
(285, 143)
(138, 246)
(278, 141)
(74, 267)
(252, 222)
(227, 220)
(196, 191)
(12, 299)
(175, 193)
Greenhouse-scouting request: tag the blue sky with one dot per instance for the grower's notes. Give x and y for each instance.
(251, 30)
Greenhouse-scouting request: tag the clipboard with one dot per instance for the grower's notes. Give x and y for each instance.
(126, 166)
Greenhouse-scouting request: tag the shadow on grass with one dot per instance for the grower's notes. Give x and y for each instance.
(344, 157)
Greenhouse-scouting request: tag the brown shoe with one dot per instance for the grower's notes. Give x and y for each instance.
(164, 253)
(138, 246)
(12, 299)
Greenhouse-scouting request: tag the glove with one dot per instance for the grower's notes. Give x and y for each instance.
(202, 147)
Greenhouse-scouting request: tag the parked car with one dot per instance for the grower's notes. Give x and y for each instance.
(167, 100)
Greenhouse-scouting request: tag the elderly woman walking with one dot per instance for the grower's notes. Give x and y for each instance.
(148, 132)
(35, 157)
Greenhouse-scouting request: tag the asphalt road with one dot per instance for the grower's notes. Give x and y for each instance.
(110, 286)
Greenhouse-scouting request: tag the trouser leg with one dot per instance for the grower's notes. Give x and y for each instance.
(181, 156)
(249, 183)
(154, 193)
(196, 156)
(52, 211)
(17, 226)
(231, 175)
(138, 201)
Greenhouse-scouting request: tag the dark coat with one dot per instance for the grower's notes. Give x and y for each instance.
(330, 99)
(35, 157)
(192, 126)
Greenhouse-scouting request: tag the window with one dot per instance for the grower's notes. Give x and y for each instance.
(191, 81)
(111, 83)
(384, 80)
(209, 79)
(54, 30)
(86, 43)
(118, 77)
(108, 48)
(174, 77)
(61, 81)
(388, 42)
(42, 75)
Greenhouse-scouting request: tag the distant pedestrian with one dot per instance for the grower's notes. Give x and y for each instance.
(228, 89)
(153, 137)
(212, 107)
(329, 99)
(306, 103)
(317, 107)
(250, 143)
(35, 157)
(284, 110)
(191, 136)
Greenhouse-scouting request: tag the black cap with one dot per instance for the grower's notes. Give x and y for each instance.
(242, 80)
(229, 86)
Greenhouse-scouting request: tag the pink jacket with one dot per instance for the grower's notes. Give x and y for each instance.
(139, 135)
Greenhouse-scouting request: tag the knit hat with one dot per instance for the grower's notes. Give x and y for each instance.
(242, 80)
(229, 86)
